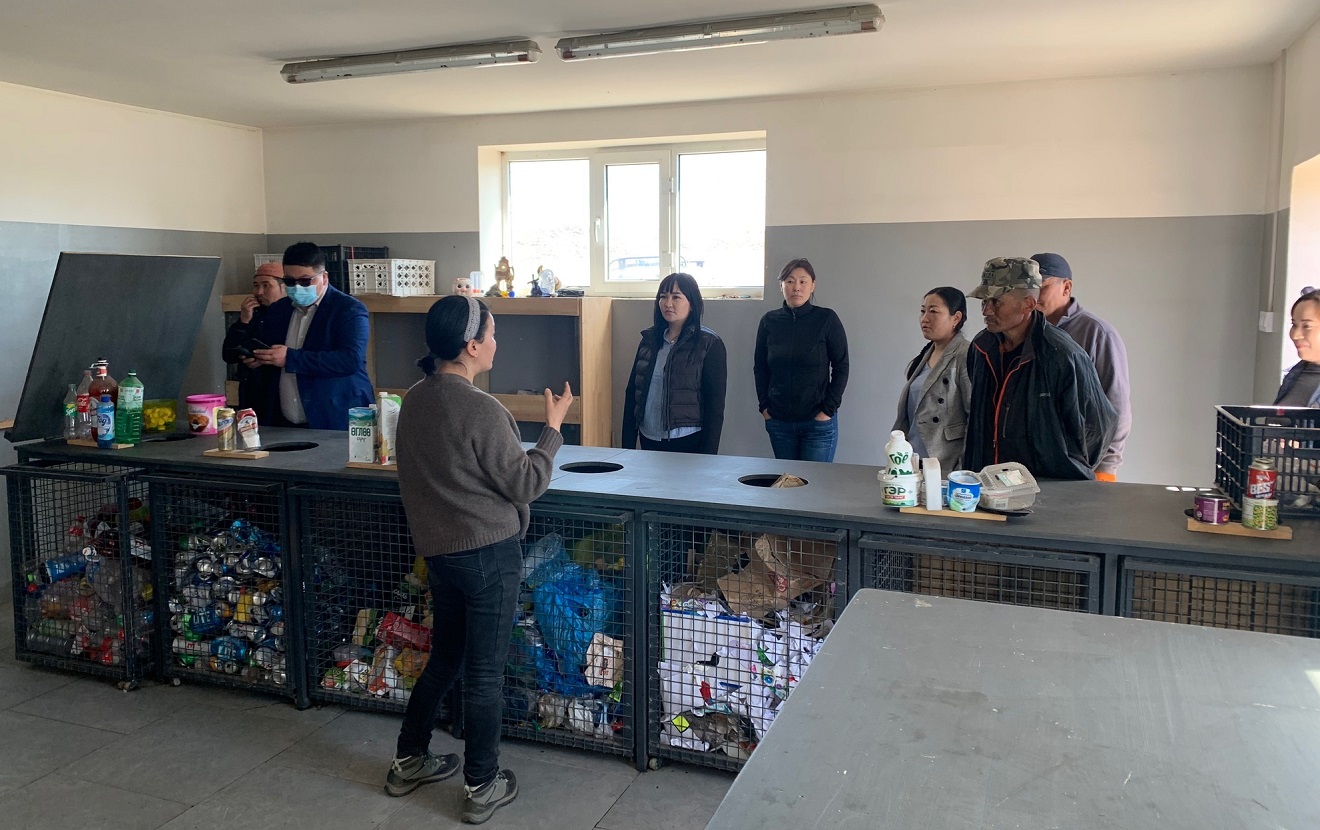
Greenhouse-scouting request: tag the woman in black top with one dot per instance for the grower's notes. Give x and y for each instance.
(801, 368)
(675, 396)
(1301, 386)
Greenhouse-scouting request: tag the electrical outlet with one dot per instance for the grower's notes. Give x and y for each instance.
(1266, 323)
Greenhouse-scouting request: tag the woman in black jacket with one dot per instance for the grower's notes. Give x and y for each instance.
(801, 367)
(675, 396)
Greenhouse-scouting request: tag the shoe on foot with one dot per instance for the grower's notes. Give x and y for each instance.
(407, 774)
(480, 804)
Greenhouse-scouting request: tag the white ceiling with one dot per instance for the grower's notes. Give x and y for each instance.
(221, 60)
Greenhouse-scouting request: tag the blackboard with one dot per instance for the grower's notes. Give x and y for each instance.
(141, 313)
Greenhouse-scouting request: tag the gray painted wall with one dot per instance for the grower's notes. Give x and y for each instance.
(28, 253)
(1270, 358)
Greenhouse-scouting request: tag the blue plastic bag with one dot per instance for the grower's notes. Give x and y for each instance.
(571, 608)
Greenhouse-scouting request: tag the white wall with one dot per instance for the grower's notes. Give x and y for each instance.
(1301, 124)
(77, 161)
(1158, 145)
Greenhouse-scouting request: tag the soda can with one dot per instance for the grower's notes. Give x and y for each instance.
(267, 566)
(65, 566)
(206, 567)
(224, 429)
(197, 596)
(206, 621)
(1211, 509)
(266, 658)
(190, 648)
(224, 588)
(1262, 478)
(230, 649)
(1260, 514)
(248, 631)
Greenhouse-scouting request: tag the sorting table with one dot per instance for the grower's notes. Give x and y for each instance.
(942, 713)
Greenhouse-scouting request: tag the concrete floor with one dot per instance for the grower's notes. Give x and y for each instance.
(77, 753)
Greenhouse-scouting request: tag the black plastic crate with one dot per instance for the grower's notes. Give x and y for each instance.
(368, 611)
(571, 662)
(1004, 575)
(1220, 598)
(224, 573)
(81, 557)
(337, 257)
(1287, 436)
(736, 612)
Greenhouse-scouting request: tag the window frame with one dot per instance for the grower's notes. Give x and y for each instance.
(666, 155)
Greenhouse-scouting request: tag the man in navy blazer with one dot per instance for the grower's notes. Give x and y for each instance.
(318, 339)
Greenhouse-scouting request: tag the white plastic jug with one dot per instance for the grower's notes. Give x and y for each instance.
(898, 455)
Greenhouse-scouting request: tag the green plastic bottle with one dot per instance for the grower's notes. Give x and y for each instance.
(128, 413)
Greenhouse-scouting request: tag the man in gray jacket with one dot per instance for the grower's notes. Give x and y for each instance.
(1099, 339)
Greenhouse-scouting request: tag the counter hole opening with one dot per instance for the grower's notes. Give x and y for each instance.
(591, 467)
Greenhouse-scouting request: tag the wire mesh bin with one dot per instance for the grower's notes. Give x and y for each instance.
(81, 559)
(570, 669)
(368, 607)
(1009, 576)
(1220, 598)
(223, 568)
(1289, 437)
(736, 613)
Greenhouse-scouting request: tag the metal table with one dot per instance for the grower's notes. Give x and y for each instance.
(938, 713)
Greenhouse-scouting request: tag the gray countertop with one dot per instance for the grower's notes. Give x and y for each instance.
(942, 714)
(1079, 516)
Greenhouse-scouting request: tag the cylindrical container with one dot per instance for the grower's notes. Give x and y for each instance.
(1211, 509)
(224, 429)
(201, 413)
(964, 491)
(1260, 514)
(1262, 478)
(899, 491)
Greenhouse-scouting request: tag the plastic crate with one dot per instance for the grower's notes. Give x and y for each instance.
(735, 613)
(1007, 576)
(569, 677)
(364, 591)
(259, 260)
(338, 257)
(81, 559)
(396, 277)
(1237, 599)
(1287, 436)
(222, 574)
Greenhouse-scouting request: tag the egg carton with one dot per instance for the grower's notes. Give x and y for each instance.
(396, 277)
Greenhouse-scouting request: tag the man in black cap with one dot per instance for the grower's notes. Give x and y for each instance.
(1100, 341)
(1036, 399)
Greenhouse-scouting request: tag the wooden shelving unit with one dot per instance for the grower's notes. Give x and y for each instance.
(592, 407)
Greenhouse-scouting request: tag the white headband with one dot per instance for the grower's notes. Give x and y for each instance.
(474, 319)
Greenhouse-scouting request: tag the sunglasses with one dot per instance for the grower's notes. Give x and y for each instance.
(303, 281)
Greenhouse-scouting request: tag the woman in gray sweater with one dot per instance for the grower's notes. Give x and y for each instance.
(466, 484)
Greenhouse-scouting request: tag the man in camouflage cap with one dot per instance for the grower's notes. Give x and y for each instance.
(1036, 398)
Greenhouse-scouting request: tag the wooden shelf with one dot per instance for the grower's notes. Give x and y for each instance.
(385, 304)
(531, 408)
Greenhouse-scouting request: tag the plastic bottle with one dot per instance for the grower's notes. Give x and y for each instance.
(128, 410)
(898, 455)
(86, 411)
(103, 384)
(105, 422)
(71, 412)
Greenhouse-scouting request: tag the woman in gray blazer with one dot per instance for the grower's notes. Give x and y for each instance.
(936, 399)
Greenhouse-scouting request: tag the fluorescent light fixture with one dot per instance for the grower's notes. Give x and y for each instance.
(735, 31)
(493, 53)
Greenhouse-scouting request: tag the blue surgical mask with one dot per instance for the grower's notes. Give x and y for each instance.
(302, 295)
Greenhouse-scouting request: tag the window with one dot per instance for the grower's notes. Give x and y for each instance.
(616, 220)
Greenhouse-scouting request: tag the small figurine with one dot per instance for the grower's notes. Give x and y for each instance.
(536, 286)
(504, 271)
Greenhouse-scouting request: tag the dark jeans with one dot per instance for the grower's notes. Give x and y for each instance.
(474, 595)
(690, 443)
(809, 440)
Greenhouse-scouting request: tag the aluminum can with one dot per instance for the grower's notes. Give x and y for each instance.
(65, 566)
(225, 430)
(1211, 509)
(1260, 514)
(1262, 479)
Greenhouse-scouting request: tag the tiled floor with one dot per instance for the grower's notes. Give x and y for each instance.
(77, 753)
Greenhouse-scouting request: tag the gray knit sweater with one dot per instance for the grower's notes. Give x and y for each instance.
(465, 479)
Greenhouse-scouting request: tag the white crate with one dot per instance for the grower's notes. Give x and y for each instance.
(259, 260)
(397, 277)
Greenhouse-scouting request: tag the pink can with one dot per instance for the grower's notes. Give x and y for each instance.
(1211, 509)
(201, 413)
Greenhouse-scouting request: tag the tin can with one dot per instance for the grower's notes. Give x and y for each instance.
(1260, 514)
(224, 429)
(1211, 509)
(1262, 478)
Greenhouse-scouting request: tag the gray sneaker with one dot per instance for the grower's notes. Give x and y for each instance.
(407, 774)
(481, 803)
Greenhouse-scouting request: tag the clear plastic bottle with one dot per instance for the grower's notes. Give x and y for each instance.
(128, 410)
(71, 412)
(103, 384)
(105, 422)
(86, 409)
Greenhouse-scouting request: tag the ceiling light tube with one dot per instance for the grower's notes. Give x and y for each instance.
(736, 31)
(413, 60)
